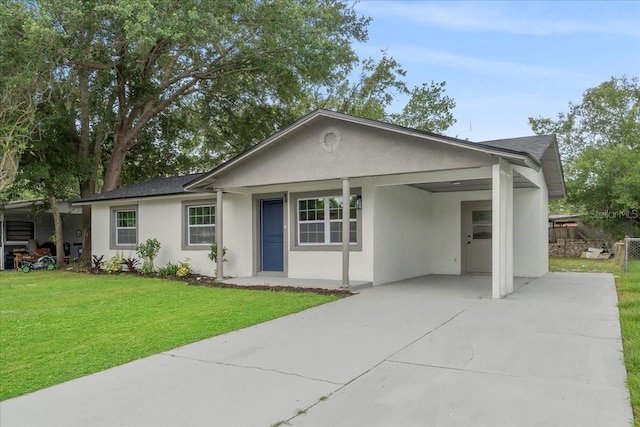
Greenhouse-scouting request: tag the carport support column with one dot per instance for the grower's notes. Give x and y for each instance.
(219, 243)
(502, 230)
(346, 215)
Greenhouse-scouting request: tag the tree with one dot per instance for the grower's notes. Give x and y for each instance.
(19, 93)
(377, 86)
(600, 145)
(139, 59)
(199, 136)
(47, 170)
(119, 66)
(150, 87)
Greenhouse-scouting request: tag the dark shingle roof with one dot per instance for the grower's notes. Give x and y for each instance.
(532, 145)
(153, 187)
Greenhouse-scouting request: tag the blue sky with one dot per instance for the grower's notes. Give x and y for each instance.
(506, 61)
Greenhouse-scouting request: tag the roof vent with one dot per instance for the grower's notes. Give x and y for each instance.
(330, 140)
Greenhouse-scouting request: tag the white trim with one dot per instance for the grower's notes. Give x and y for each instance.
(117, 228)
(113, 226)
(211, 225)
(327, 221)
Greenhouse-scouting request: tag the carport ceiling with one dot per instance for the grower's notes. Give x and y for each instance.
(469, 185)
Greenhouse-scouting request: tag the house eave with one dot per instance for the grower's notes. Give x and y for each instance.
(209, 178)
(136, 198)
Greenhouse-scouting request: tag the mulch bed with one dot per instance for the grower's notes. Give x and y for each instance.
(211, 282)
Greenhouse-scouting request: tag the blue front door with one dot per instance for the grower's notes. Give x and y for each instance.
(271, 235)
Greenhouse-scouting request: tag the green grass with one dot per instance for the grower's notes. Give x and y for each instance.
(584, 265)
(628, 288)
(56, 326)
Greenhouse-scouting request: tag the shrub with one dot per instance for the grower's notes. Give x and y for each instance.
(181, 269)
(146, 269)
(185, 268)
(148, 251)
(131, 264)
(98, 263)
(170, 269)
(114, 264)
(213, 253)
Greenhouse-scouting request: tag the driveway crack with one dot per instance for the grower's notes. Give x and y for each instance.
(427, 333)
(385, 359)
(234, 365)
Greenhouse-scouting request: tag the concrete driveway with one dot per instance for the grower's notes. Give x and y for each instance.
(432, 351)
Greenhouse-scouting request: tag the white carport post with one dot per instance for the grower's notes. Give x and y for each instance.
(219, 243)
(502, 226)
(346, 215)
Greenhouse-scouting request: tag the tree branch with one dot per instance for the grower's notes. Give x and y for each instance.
(92, 65)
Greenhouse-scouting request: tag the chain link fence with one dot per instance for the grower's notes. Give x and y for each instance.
(631, 251)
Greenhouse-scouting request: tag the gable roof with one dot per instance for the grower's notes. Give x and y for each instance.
(514, 154)
(532, 151)
(532, 145)
(151, 188)
(543, 148)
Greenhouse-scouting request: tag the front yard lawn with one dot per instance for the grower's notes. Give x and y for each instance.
(56, 326)
(628, 288)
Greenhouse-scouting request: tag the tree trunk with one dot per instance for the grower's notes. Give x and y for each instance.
(57, 225)
(87, 188)
(113, 171)
(87, 184)
(85, 258)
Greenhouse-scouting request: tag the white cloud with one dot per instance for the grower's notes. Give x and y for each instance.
(521, 18)
(420, 55)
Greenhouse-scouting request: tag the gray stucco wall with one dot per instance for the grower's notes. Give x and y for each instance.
(301, 156)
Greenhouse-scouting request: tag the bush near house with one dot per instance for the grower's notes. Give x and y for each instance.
(60, 325)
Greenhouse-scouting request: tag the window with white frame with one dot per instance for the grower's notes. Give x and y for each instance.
(126, 227)
(200, 227)
(319, 220)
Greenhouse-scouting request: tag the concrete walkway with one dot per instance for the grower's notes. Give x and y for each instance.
(424, 352)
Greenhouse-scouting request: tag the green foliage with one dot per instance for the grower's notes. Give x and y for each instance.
(128, 70)
(148, 251)
(145, 89)
(213, 253)
(628, 285)
(170, 269)
(17, 87)
(185, 268)
(377, 86)
(146, 269)
(114, 264)
(600, 144)
(82, 316)
(181, 269)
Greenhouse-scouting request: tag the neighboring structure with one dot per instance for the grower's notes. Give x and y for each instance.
(20, 227)
(569, 236)
(418, 204)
